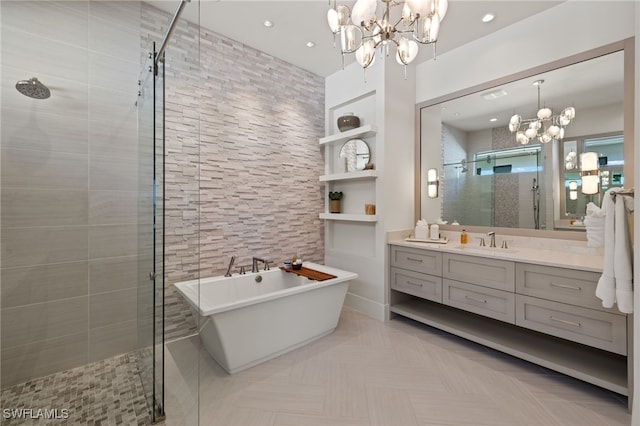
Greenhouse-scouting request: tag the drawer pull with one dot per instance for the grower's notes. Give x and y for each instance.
(575, 324)
(414, 259)
(414, 284)
(570, 287)
(476, 300)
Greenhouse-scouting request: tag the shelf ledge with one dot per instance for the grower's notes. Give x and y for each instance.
(363, 174)
(362, 131)
(350, 217)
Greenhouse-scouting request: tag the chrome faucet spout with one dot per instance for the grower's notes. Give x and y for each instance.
(233, 259)
(254, 264)
(492, 234)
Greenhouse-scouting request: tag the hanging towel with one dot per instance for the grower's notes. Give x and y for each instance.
(616, 283)
(606, 288)
(622, 266)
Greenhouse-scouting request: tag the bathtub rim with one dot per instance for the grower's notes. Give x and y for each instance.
(188, 289)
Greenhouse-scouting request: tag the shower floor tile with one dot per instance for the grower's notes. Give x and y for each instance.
(107, 392)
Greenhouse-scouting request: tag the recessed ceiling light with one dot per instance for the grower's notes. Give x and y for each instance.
(488, 17)
(494, 94)
(268, 24)
(493, 119)
(310, 44)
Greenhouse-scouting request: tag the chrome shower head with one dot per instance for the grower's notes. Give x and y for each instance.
(33, 88)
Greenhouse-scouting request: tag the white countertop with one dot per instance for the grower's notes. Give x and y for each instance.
(559, 253)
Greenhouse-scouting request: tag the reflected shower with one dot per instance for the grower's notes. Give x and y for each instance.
(33, 88)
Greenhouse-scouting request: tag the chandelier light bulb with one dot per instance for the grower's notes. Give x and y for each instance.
(420, 7)
(348, 41)
(546, 138)
(407, 51)
(366, 54)
(343, 13)
(554, 130)
(544, 113)
(569, 165)
(522, 138)
(441, 6)
(332, 19)
(363, 11)
(530, 133)
(569, 113)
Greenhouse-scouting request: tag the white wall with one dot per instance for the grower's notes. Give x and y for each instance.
(523, 45)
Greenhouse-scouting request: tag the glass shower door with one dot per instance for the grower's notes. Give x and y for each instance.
(151, 234)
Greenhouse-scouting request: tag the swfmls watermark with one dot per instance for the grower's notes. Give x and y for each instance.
(36, 413)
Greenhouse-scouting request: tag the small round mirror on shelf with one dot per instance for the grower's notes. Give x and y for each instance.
(357, 154)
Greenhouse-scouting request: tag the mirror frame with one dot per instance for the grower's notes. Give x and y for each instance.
(625, 45)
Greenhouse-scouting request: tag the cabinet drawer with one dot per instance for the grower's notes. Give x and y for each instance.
(559, 285)
(494, 273)
(421, 285)
(590, 327)
(426, 261)
(497, 304)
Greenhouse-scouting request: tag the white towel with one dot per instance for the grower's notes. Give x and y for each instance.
(606, 288)
(622, 266)
(616, 283)
(594, 225)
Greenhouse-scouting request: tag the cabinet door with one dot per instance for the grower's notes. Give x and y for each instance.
(418, 260)
(417, 284)
(497, 304)
(599, 329)
(494, 273)
(559, 284)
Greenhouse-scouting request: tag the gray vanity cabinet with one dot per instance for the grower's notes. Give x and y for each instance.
(543, 314)
(562, 302)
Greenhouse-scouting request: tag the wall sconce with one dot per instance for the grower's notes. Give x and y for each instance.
(432, 183)
(573, 190)
(589, 172)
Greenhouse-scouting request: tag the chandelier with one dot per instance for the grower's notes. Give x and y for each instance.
(546, 127)
(361, 31)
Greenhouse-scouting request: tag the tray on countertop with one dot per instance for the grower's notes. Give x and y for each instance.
(310, 273)
(444, 240)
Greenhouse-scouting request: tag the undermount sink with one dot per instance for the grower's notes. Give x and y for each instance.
(484, 250)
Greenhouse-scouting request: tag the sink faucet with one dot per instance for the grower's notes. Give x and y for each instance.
(492, 234)
(254, 264)
(233, 259)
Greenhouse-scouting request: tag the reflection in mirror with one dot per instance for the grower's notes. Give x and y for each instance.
(610, 172)
(356, 154)
(490, 179)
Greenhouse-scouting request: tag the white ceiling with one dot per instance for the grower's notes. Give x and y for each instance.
(297, 22)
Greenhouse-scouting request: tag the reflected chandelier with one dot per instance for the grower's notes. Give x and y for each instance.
(361, 32)
(546, 127)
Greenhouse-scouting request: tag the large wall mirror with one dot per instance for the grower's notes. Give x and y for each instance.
(488, 177)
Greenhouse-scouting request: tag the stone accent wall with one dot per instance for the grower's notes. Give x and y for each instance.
(242, 154)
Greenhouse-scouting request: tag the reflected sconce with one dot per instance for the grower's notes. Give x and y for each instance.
(432, 183)
(589, 172)
(573, 190)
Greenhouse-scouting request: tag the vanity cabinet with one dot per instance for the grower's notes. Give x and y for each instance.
(562, 302)
(544, 314)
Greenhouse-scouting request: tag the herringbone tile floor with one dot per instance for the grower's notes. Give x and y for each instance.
(372, 373)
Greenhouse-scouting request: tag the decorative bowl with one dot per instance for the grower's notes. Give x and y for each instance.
(297, 266)
(348, 121)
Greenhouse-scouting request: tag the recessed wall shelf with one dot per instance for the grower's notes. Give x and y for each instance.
(350, 217)
(363, 174)
(362, 132)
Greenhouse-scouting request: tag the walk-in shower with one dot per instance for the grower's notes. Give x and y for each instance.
(33, 88)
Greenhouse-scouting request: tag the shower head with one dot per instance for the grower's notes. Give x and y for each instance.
(33, 88)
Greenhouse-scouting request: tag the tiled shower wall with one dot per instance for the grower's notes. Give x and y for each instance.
(250, 165)
(68, 185)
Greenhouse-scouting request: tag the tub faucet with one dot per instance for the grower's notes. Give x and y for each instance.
(254, 264)
(492, 234)
(233, 259)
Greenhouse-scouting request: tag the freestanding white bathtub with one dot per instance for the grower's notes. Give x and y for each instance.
(244, 322)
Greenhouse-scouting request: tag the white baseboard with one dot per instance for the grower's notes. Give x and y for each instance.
(368, 307)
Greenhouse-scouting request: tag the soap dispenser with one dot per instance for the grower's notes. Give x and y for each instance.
(463, 237)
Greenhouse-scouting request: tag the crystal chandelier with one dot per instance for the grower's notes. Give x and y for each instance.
(360, 31)
(546, 127)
